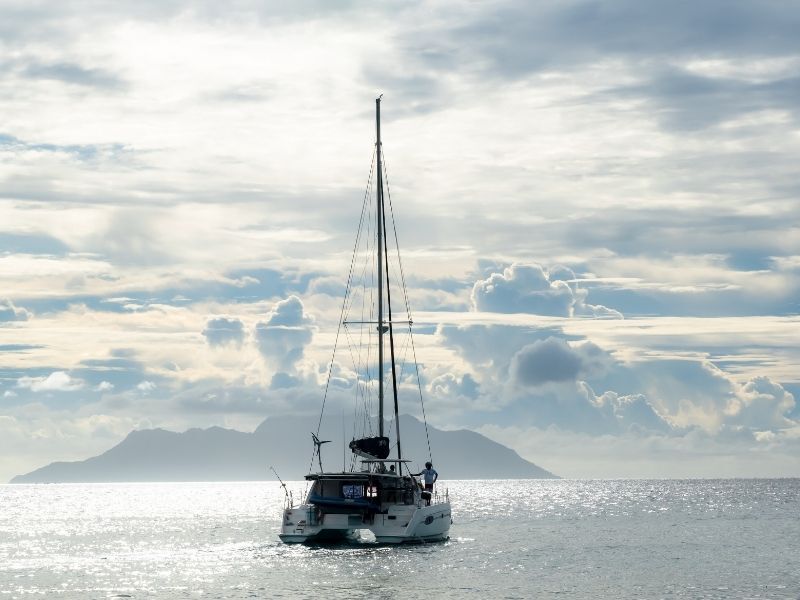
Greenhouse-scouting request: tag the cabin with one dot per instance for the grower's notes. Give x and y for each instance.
(365, 492)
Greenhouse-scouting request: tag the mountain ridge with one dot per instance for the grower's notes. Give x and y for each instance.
(220, 454)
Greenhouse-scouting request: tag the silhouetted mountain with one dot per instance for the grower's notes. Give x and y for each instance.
(218, 454)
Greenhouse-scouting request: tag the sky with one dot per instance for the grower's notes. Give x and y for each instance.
(597, 205)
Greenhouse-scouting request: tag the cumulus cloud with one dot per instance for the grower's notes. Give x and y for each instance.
(541, 375)
(528, 288)
(283, 336)
(548, 379)
(553, 360)
(627, 412)
(340, 376)
(491, 349)
(57, 381)
(222, 331)
(761, 404)
(550, 360)
(451, 386)
(697, 393)
(9, 312)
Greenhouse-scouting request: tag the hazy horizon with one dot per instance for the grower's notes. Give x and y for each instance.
(597, 205)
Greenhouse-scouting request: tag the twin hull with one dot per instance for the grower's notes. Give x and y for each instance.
(389, 506)
(400, 524)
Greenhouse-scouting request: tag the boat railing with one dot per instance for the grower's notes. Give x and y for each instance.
(438, 497)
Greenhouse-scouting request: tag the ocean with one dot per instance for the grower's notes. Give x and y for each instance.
(736, 538)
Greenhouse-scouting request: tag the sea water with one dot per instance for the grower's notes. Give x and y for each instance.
(509, 539)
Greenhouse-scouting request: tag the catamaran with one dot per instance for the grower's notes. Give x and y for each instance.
(379, 494)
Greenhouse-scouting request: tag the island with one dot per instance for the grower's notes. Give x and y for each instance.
(282, 443)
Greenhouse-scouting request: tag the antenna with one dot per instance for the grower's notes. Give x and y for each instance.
(317, 446)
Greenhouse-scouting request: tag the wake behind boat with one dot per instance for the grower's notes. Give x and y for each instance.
(378, 494)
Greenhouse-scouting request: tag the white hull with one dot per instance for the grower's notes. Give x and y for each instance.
(401, 524)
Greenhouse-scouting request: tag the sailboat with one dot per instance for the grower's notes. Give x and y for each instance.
(378, 494)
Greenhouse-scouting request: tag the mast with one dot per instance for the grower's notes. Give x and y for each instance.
(379, 200)
(383, 249)
(391, 348)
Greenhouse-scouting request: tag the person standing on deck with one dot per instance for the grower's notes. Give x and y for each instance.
(430, 476)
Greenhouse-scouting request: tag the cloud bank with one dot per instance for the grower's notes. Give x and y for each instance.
(174, 208)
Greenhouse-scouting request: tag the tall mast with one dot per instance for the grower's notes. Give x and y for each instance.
(379, 200)
(391, 345)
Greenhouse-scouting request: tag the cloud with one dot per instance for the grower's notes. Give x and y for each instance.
(30, 243)
(517, 39)
(122, 371)
(222, 331)
(643, 147)
(550, 360)
(528, 288)
(282, 337)
(450, 387)
(9, 312)
(146, 387)
(761, 404)
(72, 73)
(639, 454)
(491, 348)
(553, 360)
(134, 237)
(283, 380)
(331, 286)
(57, 381)
(523, 288)
(689, 101)
(539, 376)
(628, 412)
(544, 378)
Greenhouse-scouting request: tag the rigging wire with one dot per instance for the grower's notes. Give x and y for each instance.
(368, 290)
(391, 343)
(344, 300)
(366, 277)
(408, 306)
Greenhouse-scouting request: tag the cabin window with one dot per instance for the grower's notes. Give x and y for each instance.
(372, 491)
(352, 490)
(329, 489)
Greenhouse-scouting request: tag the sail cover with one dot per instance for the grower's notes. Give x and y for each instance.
(371, 447)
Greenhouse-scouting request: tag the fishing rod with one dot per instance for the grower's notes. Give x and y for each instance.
(283, 485)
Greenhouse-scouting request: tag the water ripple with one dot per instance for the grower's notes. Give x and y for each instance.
(510, 539)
